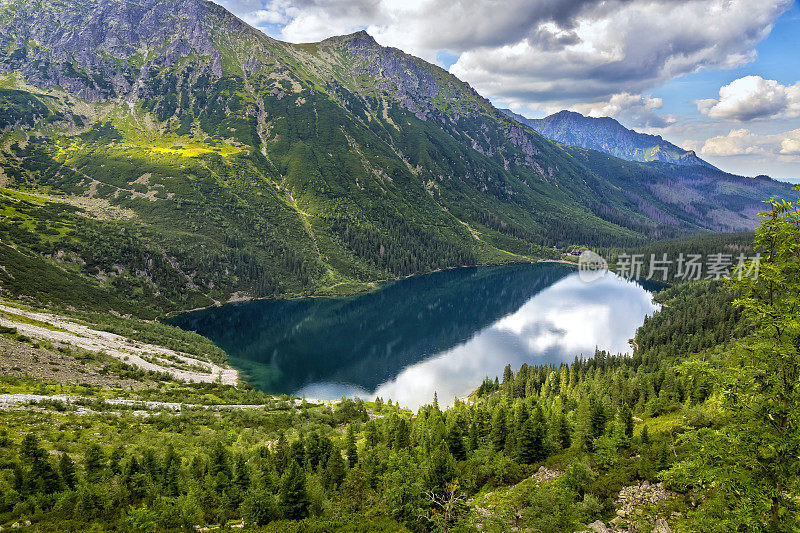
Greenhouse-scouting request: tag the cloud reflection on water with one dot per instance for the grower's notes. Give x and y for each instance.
(568, 319)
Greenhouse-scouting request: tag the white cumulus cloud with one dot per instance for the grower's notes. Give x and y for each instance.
(632, 110)
(753, 97)
(541, 53)
(745, 142)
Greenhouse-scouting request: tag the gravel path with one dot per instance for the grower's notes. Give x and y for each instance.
(117, 346)
(10, 401)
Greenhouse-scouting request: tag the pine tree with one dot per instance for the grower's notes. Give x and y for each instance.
(351, 448)
(67, 470)
(94, 463)
(293, 495)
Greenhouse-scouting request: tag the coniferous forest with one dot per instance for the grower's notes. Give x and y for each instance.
(165, 156)
(703, 410)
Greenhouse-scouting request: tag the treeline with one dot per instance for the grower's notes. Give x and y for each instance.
(676, 255)
(188, 254)
(376, 457)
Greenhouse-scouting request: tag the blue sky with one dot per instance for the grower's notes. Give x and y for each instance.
(721, 77)
(777, 59)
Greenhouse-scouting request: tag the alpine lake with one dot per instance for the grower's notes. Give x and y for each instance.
(442, 332)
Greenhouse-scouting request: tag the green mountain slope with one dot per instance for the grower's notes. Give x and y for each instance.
(607, 135)
(194, 160)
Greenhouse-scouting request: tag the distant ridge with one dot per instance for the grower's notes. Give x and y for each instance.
(607, 135)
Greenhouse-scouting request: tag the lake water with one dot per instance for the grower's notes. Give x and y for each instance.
(441, 332)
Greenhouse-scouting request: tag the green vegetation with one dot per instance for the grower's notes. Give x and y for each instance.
(705, 404)
(243, 167)
(341, 461)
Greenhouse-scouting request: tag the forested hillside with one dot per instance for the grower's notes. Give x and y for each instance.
(697, 429)
(173, 157)
(158, 156)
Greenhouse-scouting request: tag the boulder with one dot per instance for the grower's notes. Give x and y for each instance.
(599, 527)
(661, 526)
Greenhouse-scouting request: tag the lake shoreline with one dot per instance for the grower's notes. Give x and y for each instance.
(376, 284)
(440, 333)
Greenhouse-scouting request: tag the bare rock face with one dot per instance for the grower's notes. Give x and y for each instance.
(631, 503)
(599, 527)
(102, 55)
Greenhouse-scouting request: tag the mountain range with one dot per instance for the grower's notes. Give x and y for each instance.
(161, 155)
(608, 135)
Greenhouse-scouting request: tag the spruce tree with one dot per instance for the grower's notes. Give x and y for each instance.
(531, 440)
(67, 471)
(645, 436)
(334, 469)
(241, 473)
(371, 434)
(455, 441)
(351, 447)
(402, 434)
(293, 494)
(499, 430)
(281, 455)
(564, 433)
(171, 471)
(94, 463)
(441, 468)
(626, 416)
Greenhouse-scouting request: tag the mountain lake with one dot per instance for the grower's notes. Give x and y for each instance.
(442, 332)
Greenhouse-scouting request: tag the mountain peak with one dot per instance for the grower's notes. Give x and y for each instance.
(358, 37)
(567, 113)
(607, 135)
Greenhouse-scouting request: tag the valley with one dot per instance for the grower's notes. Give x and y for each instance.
(328, 286)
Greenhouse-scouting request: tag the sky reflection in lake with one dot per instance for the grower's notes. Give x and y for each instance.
(443, 332)
(568, 319)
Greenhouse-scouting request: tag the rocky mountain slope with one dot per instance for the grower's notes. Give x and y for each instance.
(607, 135)
(161, 155)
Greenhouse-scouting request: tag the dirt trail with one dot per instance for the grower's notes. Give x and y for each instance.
(12, 401)
(140, 354)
